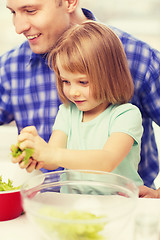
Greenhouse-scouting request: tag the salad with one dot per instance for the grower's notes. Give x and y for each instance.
(7, 186)
(71, 230)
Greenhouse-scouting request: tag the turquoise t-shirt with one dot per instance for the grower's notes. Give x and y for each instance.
(124, 118)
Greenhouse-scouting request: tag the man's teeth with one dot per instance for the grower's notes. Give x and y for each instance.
(32, 37)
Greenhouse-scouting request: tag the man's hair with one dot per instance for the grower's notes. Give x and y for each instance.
(95, 50)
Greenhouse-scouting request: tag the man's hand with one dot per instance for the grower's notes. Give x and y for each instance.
(146, 192)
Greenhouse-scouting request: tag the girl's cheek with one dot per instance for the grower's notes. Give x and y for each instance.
(66, 92)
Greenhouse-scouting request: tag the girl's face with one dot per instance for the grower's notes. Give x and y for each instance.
(76, 88)
(40, 21)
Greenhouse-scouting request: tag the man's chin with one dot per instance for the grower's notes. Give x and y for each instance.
(38, 50)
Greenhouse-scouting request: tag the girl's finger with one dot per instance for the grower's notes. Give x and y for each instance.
(26, 144)
(31, 166)
(30, 129)
(23, 164)
(24, 136)
(39, 165)
(19, 158)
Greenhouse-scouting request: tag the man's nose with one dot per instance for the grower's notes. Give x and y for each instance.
(21, 24)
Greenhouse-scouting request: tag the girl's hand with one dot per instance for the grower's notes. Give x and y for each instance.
(30, 166)
(29, 138)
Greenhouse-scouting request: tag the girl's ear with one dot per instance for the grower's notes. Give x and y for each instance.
(71, 5)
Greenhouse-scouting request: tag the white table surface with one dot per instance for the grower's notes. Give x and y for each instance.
(21, 229)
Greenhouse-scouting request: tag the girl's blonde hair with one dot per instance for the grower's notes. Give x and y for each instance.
(93, 49)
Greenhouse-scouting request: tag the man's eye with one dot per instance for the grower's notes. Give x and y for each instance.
(31, 11)
(12, 12)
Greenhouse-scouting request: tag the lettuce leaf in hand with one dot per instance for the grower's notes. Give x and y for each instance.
(16, 151)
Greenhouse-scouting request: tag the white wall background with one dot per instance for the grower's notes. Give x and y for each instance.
(138, 17)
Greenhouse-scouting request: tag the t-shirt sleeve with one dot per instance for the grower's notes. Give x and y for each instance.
(127, 119)
(62, 119)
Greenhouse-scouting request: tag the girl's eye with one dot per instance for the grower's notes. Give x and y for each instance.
(84, 82)
(65, 82)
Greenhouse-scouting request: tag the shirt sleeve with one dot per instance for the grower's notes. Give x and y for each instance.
(62, 119)
(6, 113)
(127, 119)
(150, 91)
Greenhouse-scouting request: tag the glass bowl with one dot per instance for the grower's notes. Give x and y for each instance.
(80, 205)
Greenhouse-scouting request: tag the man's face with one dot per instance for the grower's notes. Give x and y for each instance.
(41, 21)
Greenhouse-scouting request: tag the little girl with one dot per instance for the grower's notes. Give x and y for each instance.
(96, 128)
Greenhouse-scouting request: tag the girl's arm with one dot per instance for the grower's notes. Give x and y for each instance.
(107, 159)
(54, 154)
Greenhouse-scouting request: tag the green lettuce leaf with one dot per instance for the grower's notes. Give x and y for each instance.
(71, 231)
(7, 186)
(16, 151)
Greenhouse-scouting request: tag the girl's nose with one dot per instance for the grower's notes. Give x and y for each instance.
(74, 92)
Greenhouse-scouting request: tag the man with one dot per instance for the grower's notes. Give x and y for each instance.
(27, 86)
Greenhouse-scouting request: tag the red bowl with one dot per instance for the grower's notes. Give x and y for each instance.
(10, 205)
(10, 201)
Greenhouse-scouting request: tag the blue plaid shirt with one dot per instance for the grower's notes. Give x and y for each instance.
(144, 64)
(28, 93)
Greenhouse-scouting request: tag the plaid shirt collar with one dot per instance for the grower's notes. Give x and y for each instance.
(42, 57)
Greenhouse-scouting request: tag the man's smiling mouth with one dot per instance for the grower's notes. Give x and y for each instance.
(33, 36)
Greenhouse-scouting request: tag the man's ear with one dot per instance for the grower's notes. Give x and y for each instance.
(72, 5)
